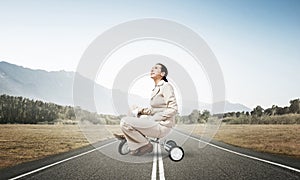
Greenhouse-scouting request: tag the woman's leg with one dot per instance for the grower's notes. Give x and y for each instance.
(135, 130)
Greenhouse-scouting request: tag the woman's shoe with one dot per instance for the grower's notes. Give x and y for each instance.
(148, 148)
(119, 136)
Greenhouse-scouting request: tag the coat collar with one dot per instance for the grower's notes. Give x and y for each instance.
(157, 88)
(160, 83)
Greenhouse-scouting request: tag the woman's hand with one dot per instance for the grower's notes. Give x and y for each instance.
(133, 111)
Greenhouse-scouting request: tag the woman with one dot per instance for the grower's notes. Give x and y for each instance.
(160, 119)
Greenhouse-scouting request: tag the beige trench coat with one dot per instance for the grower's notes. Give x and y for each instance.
(160, 119)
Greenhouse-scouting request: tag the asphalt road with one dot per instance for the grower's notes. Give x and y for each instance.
(212, 161)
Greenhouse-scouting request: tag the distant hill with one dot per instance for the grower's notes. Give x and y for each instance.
(54, 86)
(57, 87)
(234, 107)
(37, 84)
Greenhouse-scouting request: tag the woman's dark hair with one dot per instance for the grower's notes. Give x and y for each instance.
(165, 70)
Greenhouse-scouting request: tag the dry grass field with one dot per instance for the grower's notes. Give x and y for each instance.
(277, 139)
(21, 143)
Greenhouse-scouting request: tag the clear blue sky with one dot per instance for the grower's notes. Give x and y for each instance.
(257, 42)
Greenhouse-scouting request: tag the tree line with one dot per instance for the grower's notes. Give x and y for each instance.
(272, 115)
(258, 111)
(196, 116)
(28, 111)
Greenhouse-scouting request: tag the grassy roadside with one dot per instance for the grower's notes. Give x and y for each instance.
(21, 143)
(276, 139)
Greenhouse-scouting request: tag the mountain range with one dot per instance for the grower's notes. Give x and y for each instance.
(57, 87)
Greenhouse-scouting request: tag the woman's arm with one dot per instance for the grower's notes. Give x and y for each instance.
(170, 100)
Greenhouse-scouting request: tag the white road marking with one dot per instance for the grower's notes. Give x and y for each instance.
(157, 157)
(154, 166)
(243, 155)
(160, 165)
(59, 162)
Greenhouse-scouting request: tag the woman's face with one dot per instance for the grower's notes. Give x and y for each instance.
(156, 72)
